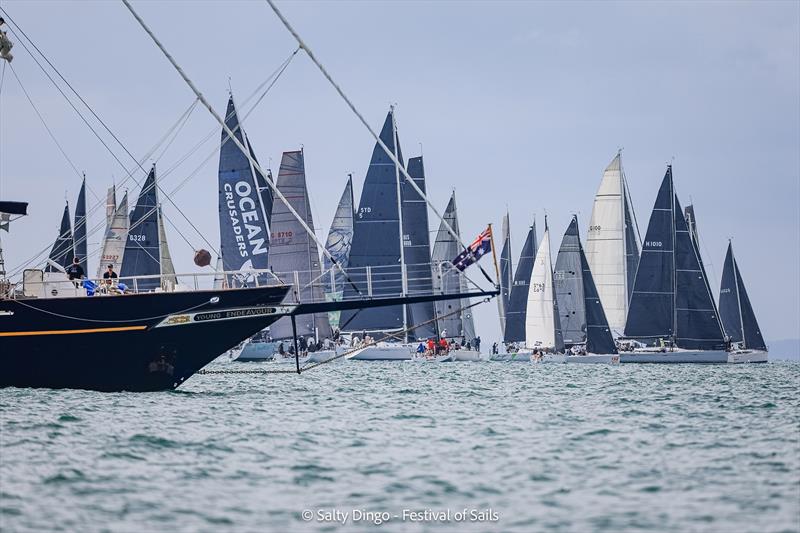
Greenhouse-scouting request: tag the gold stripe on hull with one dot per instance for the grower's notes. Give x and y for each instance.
(70, 331)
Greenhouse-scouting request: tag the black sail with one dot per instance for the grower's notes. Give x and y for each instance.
(518, 300)
(568, 280)
(142, 255)
(598, 335)
(736, 312)
(651, 314)
(417, 251)
(376, 242)
(632, 245)
(506, 273)
(696, 317)
(63, 248)
(79, 228)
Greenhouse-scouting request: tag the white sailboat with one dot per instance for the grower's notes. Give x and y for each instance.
(542, 323)
(612, 244)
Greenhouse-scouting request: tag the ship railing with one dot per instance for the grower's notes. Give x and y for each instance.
(306, 286)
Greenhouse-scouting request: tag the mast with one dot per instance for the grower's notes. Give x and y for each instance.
(674, 264)
(403, 276)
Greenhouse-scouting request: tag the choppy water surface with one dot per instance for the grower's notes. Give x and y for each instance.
(562, 448)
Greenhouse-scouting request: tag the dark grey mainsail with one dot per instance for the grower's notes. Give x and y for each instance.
(63, 248)
(79, 228)
(506, 273)
(518, 300)
(671, 297)
(142, 256)
(632, 238)
(736, 312)
(599, 339)
(417, 251)
(294, 256)
(446, 278)
(244, 230)
(376, 242)
(340, 237)
(568, 278)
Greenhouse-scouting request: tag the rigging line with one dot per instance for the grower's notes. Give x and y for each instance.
(377, 138)
(176, 128)
(102, 141)
(267, 176)
(83, 319)
(44, 123)
(216, 149)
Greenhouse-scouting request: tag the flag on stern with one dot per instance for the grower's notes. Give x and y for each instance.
(481, 246)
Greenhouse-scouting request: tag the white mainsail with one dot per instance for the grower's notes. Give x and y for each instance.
(113, 248)
(542, 325)
(608, 249)
(111, 205)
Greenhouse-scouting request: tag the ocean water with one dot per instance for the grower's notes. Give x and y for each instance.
(473, 446)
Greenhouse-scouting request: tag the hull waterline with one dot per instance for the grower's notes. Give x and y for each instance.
(677, 356)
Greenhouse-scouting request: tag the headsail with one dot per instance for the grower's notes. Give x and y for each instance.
(63, 248)
(598, 335)
(168, 280)
(111, 205)
(612, 244)
(506, 273)
(340, 237)
(142, 256)
(569, 286)
(79, 227)
(446, 278)
(518, 301)
(244, 230)
(376, 241)
(114, 241)
(417, 251)
(736, 312)
(294, 256)
(542, 323)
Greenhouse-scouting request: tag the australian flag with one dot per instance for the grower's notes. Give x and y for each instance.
(479, 247)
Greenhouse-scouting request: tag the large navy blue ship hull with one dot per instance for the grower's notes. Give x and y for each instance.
(141, 342)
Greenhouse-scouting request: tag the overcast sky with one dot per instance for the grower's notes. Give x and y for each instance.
(517, 105)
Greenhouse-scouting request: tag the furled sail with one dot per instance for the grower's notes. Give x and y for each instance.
(340, 237)
(294, 256)
(506, 273)
(599, 339)
(542, 324)
(79, 227)
(612, 245)
(736, 312)
(243, 224)
(518, 301)
(114, 240)
(142, 255)
(63, 248)
(569, 286)
(446, 278)
(671, 297)
(417, 252)
(376, 242)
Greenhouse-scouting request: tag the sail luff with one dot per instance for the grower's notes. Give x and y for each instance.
(111, 205)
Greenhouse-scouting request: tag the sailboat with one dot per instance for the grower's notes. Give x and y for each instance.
(63, 249)
(672, 317)
(514, 333)
(583, 321)
(294, 256)
(112, 250)
(543, 336)
(376, 255)
(613, 243)
(455, 320)
(738, 317)
(79, 228)
(340, 238)
(146, 250)
(506, 273)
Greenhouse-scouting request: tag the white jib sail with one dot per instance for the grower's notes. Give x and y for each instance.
(114, 239)
(605, 246)
(540, 327)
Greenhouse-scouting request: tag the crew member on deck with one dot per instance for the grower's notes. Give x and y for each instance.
(75, 270)
(109, 276)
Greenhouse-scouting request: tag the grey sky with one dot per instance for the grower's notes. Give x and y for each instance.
(518, 105)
